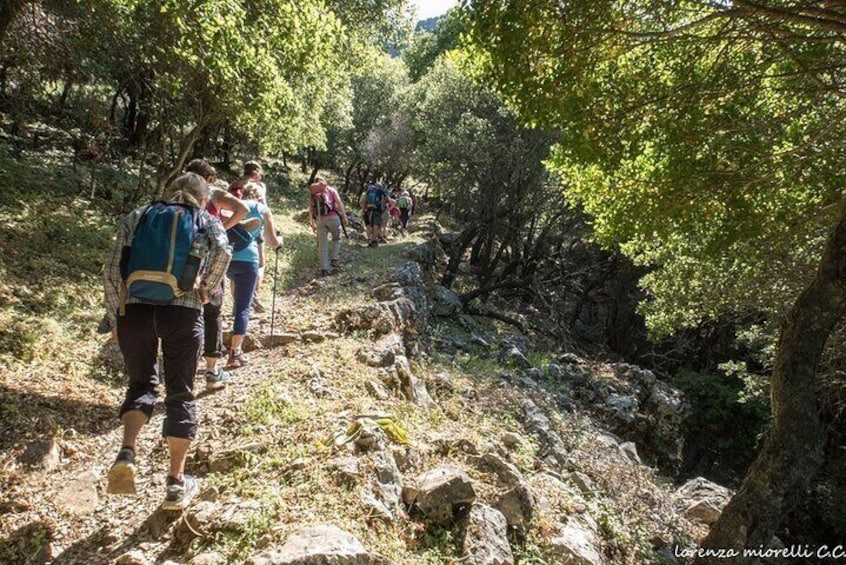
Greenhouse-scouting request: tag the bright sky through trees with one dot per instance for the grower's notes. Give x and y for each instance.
(430, 8)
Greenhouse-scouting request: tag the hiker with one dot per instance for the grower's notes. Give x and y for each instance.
(372, 202)
(405, 205)
(386, 214)
(395, 214)
(220, 199)
(325, 214)
(244, 268)
(143, 323)
(254, 173)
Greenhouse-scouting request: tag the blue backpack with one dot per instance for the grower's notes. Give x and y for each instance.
(163, 257)
(374, 197)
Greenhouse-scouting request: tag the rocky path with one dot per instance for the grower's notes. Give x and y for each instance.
(349, 444)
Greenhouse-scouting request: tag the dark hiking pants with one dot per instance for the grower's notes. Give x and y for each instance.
(180, 330)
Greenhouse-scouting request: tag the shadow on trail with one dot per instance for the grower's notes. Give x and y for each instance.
(28, 545)
(26, 416)
(92, 550)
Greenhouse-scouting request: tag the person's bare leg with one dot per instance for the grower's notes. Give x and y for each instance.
(121, 477)
(133, 421)
(178, 448)
(237, 340)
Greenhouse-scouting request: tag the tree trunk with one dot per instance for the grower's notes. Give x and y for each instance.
(348, 176)
(793, 450)
(9, 9)
(63, 97)
(456, 253)
(167, 175)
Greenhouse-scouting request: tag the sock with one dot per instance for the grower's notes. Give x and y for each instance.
(174, 481)
(126, 454)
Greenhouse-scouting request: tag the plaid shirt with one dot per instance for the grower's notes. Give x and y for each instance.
(214, 269)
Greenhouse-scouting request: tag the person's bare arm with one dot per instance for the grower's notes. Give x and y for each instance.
(225, 201)
(270, 231)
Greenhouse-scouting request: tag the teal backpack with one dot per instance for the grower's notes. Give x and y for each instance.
(165, 253)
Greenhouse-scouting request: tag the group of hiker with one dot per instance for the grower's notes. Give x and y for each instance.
(327, 215)
(164, 284)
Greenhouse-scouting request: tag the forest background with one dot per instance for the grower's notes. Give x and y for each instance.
(685, 155)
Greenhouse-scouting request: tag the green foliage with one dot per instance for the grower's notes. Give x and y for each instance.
(166, 75)
(438, 545)
(426, 46)
(687, 136)
(724, 421)
(266, 407)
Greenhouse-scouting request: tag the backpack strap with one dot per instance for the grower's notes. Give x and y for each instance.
(124, 260)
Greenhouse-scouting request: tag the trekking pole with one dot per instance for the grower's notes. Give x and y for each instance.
(273, 299)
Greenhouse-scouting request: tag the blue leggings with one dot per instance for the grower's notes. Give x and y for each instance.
(243, 275)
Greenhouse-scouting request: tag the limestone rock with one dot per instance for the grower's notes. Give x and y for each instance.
(410, 274)
(581, 480)
(517, 505)
(316, 545)
(505, 471)
(387, 292)
(279, 338)
(576, 543)
(383, 353)
(387, 479)
(208, 558)
(511, 355)
(629, 449)
(377, 390)
(44, 454)
(624, 407)
(446, 303)
(408, 314)
(703, 500)
(428, 254)
(538, 423)
(313, 336)
(344, 470)
(483, 538)
(79, 495)
(412, 388)
(440, 493)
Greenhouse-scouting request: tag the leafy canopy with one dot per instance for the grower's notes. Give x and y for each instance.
(700, 137)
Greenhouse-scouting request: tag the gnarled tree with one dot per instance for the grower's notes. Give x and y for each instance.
(704, 138)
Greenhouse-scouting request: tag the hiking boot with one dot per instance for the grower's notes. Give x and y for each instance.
(324, 273)
(237, 359)
(216, 379)
(179, 493)
(122, 473)
(335, 264)
(258, 307)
